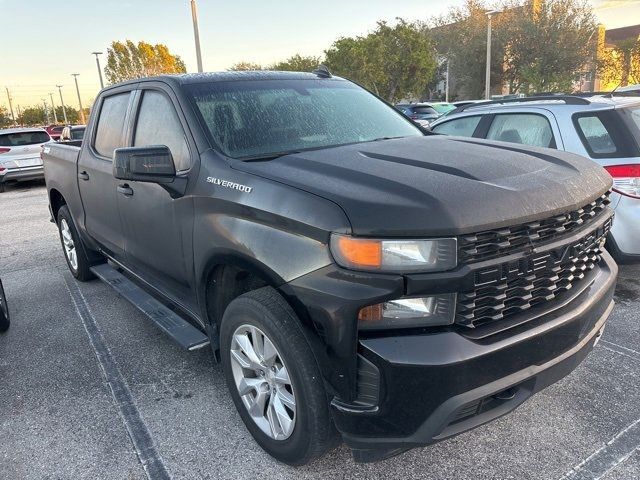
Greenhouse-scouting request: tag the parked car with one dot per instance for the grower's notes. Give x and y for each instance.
(606, 130)
(463, 103)
(347, 270)
(442, 107)
(20, 154)
(54, 131)
(4, 310)
(421, 113)
(72, 133)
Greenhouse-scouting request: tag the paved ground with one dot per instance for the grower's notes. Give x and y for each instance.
(58, 417)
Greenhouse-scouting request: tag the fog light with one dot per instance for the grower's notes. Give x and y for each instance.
(409, 312)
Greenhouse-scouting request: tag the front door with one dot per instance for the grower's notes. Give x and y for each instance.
(159, 228)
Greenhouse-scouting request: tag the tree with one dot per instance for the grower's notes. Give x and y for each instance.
(5, 118)
(461, 36)
(245, 66)
(126, 61)
(545, 48)
(297, 63)
(394, 61)
(72, 114)
(620, 65)
(33, 116)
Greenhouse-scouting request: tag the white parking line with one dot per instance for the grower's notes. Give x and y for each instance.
(609, 456)
(620, 346)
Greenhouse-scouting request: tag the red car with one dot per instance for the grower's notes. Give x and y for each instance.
(54, 131)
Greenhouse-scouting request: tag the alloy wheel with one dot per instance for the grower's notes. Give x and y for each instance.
(263, 382)
(68, 244)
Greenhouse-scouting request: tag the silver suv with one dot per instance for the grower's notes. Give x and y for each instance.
(606, 130)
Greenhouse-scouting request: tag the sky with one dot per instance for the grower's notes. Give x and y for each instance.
(43, 42)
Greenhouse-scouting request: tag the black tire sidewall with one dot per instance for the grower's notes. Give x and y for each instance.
(296, 449)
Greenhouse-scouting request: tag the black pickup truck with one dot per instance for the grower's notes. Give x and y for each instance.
(352, 273)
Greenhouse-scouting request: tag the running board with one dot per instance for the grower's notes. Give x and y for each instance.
(181, 331)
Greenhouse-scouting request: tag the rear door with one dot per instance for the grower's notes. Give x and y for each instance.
(95, 170)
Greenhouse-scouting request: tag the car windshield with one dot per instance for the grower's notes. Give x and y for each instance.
(442, 108)
(425, 111)
(253, 119)
(18, 139)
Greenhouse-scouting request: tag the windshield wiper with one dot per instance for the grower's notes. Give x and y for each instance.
(269, 156)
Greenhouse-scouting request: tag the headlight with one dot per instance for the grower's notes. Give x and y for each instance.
(409, 312)
(401, 256)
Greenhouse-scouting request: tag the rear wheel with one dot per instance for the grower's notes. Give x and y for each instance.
(3, 187)
(74, 250)
(274, 379)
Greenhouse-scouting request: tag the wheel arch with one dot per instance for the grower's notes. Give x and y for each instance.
(56, 201)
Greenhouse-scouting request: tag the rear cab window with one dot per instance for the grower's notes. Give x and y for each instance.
(18, 139)
(609, 133)
(110, 124)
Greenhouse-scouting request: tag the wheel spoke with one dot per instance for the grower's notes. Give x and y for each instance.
(257, 404)
(282, 376)
(248, 385)
(279, 418)
(286, 398)
(269, 353)
(242, 340)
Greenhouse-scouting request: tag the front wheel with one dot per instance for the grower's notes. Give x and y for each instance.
(274, 379)
(4, 310)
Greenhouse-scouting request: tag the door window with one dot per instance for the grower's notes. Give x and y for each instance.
(526, 128)
(597, 137)
(462, 127)
(111, 124)
(158, 124)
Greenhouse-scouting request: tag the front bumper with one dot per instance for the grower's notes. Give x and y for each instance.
(22, 174)
(434, 386)
(395, 390)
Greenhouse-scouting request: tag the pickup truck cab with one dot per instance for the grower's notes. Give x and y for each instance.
(350, 272)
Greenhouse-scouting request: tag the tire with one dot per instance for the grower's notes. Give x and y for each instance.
(3, 187)
(312, 433)
(78, 262)
(4, 310)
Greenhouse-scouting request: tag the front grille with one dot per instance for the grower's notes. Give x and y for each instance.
(496, 243)
(506, 289)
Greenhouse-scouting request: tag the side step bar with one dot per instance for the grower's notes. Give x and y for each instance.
(181, 331)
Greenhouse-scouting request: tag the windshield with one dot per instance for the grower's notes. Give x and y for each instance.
(248, 119)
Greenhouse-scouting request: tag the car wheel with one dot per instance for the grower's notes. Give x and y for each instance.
(3, 187)
(4, 310)
(274, 379)
(74, 250)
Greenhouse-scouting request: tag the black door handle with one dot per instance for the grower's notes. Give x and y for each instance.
(83, 176)
(125, 189)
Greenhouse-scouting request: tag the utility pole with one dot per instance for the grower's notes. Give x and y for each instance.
(99, 69)
(53, 107)
(64, 110)
(196, 34)
(20, 115)
(446, 83)
(10, 105)
(487, 94)
(75, 77)
(46, 111)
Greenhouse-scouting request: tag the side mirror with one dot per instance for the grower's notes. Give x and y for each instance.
(152, 164)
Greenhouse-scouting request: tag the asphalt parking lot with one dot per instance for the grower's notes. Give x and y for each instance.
(59, 417)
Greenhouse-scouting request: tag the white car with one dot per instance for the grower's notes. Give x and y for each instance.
(604, 129)
(20, 154)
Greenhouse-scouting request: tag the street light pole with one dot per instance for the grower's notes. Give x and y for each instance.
(75, 77)
(446, 84)
(487, 78)
(10, 105)
(64, 110)
(46, 111)
(53, 107)
(196, 34)
(99, 69)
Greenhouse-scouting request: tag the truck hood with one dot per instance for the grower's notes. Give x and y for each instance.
(436, 185)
